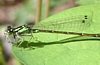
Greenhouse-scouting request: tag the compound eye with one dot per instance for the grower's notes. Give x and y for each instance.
(9, 28)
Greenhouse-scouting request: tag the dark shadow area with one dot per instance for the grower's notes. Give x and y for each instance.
(67, 40)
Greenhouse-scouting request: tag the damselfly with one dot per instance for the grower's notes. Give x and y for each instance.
(62, 26)
(17, 32)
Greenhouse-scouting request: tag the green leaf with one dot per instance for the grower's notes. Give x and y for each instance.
(87, 2)
(61, 49)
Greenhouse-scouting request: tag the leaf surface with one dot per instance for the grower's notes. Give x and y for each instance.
(61, 49)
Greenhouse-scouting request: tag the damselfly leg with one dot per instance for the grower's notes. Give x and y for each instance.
(19, 37)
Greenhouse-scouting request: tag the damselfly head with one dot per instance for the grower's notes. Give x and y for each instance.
(9, 30)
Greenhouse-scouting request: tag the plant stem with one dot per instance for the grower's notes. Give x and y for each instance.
(47, 8)
(38, 13)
